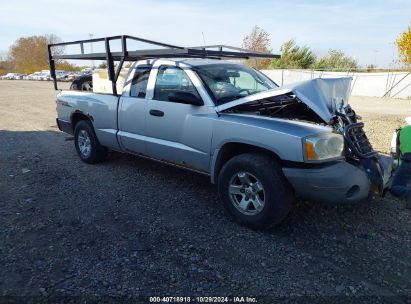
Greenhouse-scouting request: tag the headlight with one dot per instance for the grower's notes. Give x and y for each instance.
(323, 146)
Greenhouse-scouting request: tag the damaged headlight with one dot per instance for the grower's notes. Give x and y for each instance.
(323, 146)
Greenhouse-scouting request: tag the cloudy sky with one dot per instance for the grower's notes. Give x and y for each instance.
(366, 30)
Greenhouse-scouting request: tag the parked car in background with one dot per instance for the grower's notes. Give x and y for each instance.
(45, 76)
(33, 76)
(82, 83)
(8, 76)
(39, 76)
(19, 76)
(61, 76)
(71, 76)
(86, 71)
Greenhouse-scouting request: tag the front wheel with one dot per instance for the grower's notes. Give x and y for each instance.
(254, 190)
(86, 143)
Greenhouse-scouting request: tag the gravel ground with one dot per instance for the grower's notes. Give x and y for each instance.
(130, 228)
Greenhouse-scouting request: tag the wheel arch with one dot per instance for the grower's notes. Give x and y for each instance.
(229, 150)
(77, 116)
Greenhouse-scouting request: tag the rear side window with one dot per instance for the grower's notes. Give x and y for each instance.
(171, 79)
(140, 80)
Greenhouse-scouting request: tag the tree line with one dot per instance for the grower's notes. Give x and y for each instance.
(29, 54)
(294, 56)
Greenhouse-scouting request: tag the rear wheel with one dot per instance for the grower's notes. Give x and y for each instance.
(86, 143)
(254, 190)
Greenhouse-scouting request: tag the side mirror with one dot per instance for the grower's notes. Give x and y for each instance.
(186, 98)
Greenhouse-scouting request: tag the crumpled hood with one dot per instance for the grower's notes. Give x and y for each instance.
(322, 95)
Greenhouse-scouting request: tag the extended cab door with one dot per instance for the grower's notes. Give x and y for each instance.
(176, 132)
(132, 112)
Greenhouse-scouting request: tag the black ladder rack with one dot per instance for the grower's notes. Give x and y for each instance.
(168, 51)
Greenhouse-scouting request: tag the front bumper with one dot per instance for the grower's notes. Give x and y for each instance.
(338, 182)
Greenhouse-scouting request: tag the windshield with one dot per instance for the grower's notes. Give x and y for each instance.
(228, 82)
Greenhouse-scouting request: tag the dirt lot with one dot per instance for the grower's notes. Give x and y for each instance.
(130, 228)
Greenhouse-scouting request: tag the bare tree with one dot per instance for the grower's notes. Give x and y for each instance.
(29, 54)
(5, 63)
(258, 40)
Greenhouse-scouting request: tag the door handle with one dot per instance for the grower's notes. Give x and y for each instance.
(157, 113)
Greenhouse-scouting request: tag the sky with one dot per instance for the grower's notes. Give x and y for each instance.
(365, 30)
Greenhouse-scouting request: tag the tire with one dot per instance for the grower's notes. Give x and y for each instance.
(254, 191)
(87, 146)
(82, 83)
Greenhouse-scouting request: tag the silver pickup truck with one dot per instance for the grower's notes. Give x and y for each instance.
(262, 144)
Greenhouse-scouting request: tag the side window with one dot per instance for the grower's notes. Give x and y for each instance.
(171, 79)
(139, 82)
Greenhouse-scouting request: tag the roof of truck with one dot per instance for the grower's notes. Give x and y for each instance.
(197, 61)
(201, 61)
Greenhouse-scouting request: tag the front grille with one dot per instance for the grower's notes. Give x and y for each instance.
(357, 141)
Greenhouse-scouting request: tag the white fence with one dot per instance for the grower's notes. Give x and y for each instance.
(392, 84)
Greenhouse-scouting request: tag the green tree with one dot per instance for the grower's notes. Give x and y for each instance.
(371, 67)
(294, 56)
(258, 40)
(102, 65)
(404, 46)
(335, 60)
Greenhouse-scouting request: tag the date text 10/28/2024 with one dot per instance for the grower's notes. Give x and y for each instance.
(203, 299)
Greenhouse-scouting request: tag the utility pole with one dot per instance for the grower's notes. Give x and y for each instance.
(375, 57)
(393, 54)
(202, 33)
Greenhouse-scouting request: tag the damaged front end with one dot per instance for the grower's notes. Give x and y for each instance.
(325, 102)
(359, 150)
